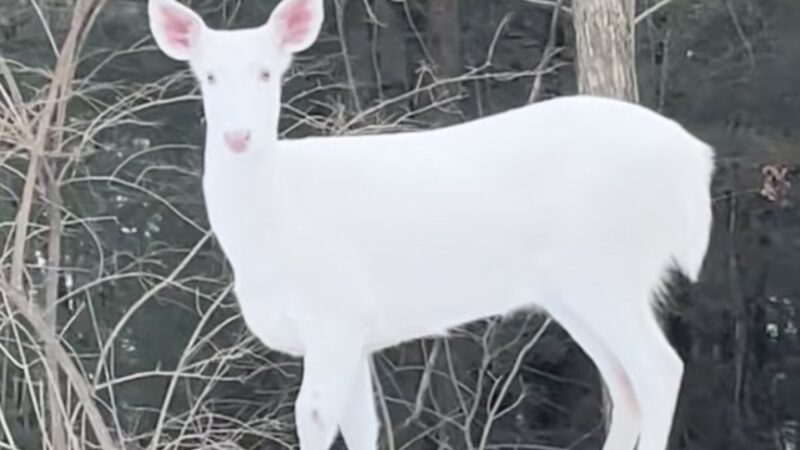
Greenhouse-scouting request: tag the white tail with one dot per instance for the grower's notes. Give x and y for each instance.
(342, 246)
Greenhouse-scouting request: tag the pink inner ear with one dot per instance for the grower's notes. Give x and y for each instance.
(177, 27)
(296, 21)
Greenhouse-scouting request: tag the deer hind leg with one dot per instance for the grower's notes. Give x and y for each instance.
(624, 322)
(332, 366)
(359, 425)
(656, 372)
(624, 423)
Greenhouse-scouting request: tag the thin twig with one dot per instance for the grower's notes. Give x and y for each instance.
(552, 4)
(650, 11)
(196, 335)
(112, 337)
(740, 32)
(493, 411)
(387, 419)
(34, 315)
(348, 67)
(50, 39)
(50, 301)
(424, 383)
(549, 53)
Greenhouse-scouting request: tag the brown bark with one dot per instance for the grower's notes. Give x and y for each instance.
(605, 48)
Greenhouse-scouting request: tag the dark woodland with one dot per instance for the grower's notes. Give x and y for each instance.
(134, 340)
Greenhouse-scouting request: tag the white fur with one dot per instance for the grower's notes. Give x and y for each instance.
(342, 246)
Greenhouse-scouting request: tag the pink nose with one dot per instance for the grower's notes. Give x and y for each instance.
(237, 140)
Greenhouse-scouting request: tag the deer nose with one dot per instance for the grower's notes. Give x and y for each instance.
(237, 140)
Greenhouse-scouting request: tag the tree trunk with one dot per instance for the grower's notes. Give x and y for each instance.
(355, 33)
(390, 49)
(604, 31)
(443, 38)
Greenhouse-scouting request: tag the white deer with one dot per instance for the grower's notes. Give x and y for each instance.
(342, 246)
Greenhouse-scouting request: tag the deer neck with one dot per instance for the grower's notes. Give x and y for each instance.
(241, 193)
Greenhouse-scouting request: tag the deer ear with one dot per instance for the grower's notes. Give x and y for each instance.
(175, 27)
(295, 24)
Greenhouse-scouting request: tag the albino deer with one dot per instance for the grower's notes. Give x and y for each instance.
(342, 246)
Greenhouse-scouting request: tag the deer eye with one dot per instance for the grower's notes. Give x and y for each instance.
(211, 78)
(263, 75)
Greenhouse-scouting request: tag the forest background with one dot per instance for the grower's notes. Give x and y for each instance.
(118, 328)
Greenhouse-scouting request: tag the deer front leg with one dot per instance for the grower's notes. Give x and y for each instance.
(332, 368)
(359, 425)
